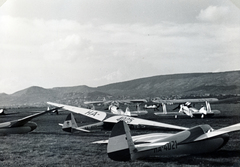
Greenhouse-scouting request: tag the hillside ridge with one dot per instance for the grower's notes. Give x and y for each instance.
(164, 86)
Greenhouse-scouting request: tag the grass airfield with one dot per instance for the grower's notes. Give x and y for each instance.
(48, 145)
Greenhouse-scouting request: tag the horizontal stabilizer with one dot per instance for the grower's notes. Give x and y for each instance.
(81, 129)
(89, 126)
(216, 112)
(100, 142)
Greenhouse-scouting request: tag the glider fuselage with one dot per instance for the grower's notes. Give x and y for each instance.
(183, 143)
(28, 127)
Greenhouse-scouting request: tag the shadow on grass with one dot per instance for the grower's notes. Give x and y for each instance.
(219, 158)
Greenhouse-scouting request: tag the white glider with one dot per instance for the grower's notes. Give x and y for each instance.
(197, 140)
(108, 120)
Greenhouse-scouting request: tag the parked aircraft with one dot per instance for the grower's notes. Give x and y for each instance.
(196, 140)
(108, 102)
(203, 112)
(153, 106)
(187, 110)
(114, 107)
(107, 120)
(22, 125)
(3, 112)
(70, 125)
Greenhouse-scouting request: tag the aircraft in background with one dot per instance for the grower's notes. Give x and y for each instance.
(70, 125)
(136, 113)
(186, 109)
(196, 140)
(107, 102)
(22, 125)
(2, 112)
(155, 107)
(107, 120)
(114, 106)
(203, 112)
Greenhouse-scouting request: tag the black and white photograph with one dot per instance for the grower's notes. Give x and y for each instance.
(123, 83)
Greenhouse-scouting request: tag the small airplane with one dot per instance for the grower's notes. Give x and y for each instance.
(203, 112)
(107, 120)
(22, 125)
(114, 107)
(187, 110)
(196, 140)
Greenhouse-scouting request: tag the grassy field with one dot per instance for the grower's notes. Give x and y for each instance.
(48, 145)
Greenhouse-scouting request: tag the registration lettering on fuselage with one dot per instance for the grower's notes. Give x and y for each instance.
(91, 113)
(167, 147)
(126, 119)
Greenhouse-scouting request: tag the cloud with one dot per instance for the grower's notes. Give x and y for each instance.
(213, 14)
(2, 2)
(67, 50)
(62, 51)
(236, 2)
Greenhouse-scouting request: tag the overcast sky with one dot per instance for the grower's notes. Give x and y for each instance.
(85, 42)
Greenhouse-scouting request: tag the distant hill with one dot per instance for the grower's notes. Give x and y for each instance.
(178, 84)
(175, 86)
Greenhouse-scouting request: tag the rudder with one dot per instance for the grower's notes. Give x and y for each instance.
(127, 112)
(69, 123)
(120, 145)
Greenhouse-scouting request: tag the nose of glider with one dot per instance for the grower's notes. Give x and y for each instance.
(32, 125)
(225, 138)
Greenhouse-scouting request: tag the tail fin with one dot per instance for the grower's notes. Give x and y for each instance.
(164, 108)
(92, 107)
(138, 107)
(208, 106)
(104, 99)
(127, 112)
(120, 145)
(69, 123)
